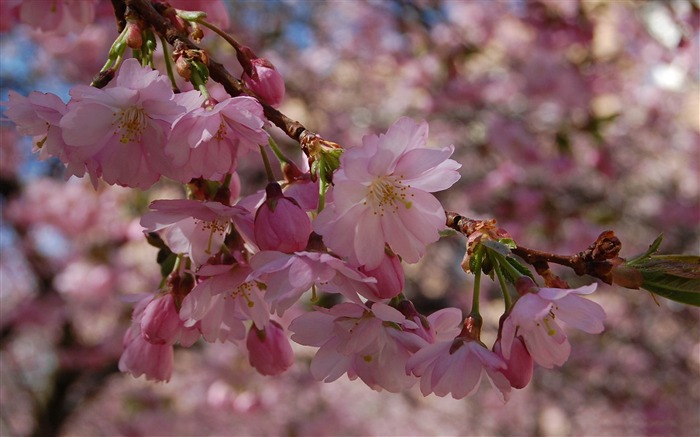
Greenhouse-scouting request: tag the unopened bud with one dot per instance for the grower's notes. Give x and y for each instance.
(265, 81)
(134, 39)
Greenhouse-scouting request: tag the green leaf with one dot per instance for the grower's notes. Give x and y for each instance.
(653, 248)
(675, 277)
(521, 268)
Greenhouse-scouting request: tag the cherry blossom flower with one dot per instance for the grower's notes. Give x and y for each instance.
(61, 16)
(129, 124)
(382, 195)
(533, 318)
(389, 276)
(161, 324)
(288, 276)
(141, 357)
(456, 367)
(222, 301)
(280, 224)
(269, 350)
(362, 342)
(519, 365)
(192, 227)
(39, 115)
(207, 141)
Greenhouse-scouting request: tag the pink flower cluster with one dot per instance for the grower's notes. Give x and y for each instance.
(236, 263)
(136, 130)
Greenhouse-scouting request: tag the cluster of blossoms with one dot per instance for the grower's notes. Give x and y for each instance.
(234, 266)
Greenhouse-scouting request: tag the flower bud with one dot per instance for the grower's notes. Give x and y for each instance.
(269, 349)
(389, 276)
(266, 82)
(520, 367)
(161, 323)
(280, 224)
(134, 38)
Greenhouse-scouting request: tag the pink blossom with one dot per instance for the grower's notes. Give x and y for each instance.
(269, 350)
(389, 276)
(266, 82)
(39, 115)
(362, 342)
(207, 141)
(62, 16)
(192, 227)
(129, 125)
(533, 318)
(280, 224)
(382, 196)
(141, 357)
(519, 365)
(288, 276)
(161, 324)
(222, 301)
(443, 324)
(456, 367)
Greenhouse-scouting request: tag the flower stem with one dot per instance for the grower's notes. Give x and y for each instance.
(268, 167)
(228, 38)
(276, 150)
(477, 282)
(502, 282)
(168, 62)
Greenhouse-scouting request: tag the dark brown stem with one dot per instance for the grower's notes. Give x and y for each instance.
(597, 260)
(144, 8)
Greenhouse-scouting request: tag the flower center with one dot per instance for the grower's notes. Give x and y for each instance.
(131, 122)
(387, 193)
(221, 133)
(213, 227)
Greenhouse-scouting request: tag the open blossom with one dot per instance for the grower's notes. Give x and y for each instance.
(161, 324)
(534, 318)
(129, 124)
(61, 16)
(222, 301)
(456, 366)
(39, 115)
(192, 227)
(206, 142)
(288, 276)
(362, 342)
(382, 196)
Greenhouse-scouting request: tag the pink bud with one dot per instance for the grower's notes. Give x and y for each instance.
(280, 224)
(266, 82)
(133, 34)
(143, 358)
(389, 276)
(519, 370)
(161, 323)
(269, 349)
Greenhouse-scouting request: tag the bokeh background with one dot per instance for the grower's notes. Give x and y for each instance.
(569, 118)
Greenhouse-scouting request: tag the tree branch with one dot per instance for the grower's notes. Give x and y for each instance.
(148, 13)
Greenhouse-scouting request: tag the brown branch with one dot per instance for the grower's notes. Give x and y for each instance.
(597, 260)
(178, 39)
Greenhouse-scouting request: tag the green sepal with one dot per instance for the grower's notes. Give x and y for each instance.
(325, 164)
(497, 247)
(448, 233)
(520, 268)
